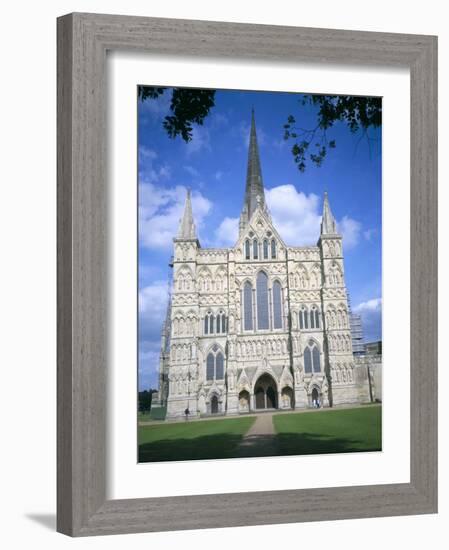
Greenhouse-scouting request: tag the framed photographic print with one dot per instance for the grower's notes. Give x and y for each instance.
(246, 274)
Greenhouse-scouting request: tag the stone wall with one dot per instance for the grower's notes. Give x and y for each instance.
(369, 365)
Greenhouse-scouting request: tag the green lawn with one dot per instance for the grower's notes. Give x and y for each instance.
(317, 432)
(190, 440)
(330, 431)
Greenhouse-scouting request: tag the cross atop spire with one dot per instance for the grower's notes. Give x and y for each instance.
(254, 182)
(187, 228)
(328, 224)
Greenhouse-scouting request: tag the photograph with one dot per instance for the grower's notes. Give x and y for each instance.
(259, 273)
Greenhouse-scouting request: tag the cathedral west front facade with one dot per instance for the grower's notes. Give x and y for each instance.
(261, 325)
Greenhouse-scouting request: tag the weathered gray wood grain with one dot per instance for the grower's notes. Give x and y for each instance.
(83, 40)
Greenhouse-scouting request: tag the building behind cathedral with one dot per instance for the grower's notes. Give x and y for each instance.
(260, 325)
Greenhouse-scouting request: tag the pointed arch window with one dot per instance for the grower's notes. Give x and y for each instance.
(316, 359)
(219, 366)
(215, 365)
(312, 361)
(265, 249)
(262, 301)
(307, 361)
(314, 318)
(248, 306)
(221, 323)
(316, 315)
(273, 249)
(247, 249)
(224, 323)
(255, 249)
(303, 319)
(209, 323)
(210, 366)
(277, 305)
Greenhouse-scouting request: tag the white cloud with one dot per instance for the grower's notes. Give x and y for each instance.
(227, 232)
(153, 301)
(350, 231)
(295, 215)
(147, 166)
(371, 313)
(160, 210)
(374, 304)
(200, 140)
(152, 310)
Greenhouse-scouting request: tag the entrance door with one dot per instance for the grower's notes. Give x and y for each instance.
(271, 398)
(214, 404)
(260, 398)
(266, 392)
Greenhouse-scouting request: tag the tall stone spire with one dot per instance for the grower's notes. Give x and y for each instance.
(328, 224)
(187, 228)
(254, 192)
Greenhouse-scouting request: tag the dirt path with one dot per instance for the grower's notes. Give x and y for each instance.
(260, 439)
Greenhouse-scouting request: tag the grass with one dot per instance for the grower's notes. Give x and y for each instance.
(330, 431)
(317, 432)
(192, 440)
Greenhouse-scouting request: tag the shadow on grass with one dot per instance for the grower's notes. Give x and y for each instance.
(234, 446)
(310, 443)
(203, 447)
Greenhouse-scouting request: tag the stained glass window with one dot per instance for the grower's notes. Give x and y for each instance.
(210, 367)
(206, 324)
(262, 301)
(218, 324)
(312, 318)
(219, 367)
(317, 318)
(265, 249)
(277, 305)
(316, 359)
(306, 318)
(307, 360)
(255, 249)
(273, 249)
(211, 324)
(247, 250)
(248, 306)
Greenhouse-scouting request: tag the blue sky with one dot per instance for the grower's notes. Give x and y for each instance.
(213, 166)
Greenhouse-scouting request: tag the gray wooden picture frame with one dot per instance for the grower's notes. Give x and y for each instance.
(83, 40)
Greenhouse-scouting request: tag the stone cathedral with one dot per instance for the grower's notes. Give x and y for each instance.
(261, 325)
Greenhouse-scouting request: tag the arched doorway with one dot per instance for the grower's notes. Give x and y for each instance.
(265, 392)
(315, 399)
(287, 398)
(214, 404)
(243, 401)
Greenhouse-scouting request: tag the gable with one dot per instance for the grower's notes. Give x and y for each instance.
(261, 227)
